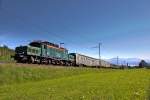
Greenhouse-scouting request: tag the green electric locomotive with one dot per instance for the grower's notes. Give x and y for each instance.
(43, 52)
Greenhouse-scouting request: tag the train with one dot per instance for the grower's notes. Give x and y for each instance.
(83, 60)
(44, 52)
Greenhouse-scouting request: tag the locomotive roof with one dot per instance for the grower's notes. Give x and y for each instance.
(45, 42)
(49, 44)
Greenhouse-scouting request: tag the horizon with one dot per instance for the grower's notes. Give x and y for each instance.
(122, 27)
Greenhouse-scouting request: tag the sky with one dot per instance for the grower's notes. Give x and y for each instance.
(122, 26)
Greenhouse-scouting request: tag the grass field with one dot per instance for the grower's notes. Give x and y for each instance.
(34, 82)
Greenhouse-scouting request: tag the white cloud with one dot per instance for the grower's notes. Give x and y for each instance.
(145, 56)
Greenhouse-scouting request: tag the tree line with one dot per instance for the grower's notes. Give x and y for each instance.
(6, 53)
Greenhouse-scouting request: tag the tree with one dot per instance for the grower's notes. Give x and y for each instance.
(143, 63)
(5, 46)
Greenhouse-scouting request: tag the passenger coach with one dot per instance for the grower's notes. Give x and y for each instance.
(82, 60)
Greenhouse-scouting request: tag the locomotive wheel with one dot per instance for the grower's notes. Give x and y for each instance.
(66, 64)
(61, 63)
(49, 61)
(46, 61)
(53, 62)
(31, 60)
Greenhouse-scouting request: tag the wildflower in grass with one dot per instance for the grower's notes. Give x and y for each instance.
(82, 97)
(137, 93)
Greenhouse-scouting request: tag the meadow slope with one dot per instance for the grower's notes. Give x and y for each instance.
(35, 82)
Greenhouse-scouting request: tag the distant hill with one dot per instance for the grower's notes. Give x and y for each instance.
(124, 61)
(6, 53)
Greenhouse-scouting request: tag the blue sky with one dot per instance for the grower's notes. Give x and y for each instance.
(122, 26)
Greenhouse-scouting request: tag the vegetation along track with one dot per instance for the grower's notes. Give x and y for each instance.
(35, 82)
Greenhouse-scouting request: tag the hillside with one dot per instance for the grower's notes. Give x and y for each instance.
(124, 61)
(6, 53)
(34, 82)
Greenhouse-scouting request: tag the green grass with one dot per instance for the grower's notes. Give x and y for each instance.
(26, 82)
